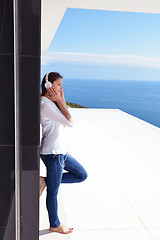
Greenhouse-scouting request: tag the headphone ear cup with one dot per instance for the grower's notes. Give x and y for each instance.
(48, 84)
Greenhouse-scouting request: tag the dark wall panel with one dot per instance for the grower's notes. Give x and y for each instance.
(30, 97)
(7, 170)
(6, 26)
(30, 205)
(6, 100)
(29, 32)
(30, 21)
(7, 191)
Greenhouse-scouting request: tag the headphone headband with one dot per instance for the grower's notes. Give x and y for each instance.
(46, 77)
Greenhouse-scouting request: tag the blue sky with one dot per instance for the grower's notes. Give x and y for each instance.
(93, 44)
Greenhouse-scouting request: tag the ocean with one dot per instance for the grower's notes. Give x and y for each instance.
(138, 98)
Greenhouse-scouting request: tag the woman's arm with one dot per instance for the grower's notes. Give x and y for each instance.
(63, 107)
(59, 99)
(52, 112)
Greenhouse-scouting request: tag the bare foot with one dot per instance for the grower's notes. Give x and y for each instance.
(62, 229)
(42, 185)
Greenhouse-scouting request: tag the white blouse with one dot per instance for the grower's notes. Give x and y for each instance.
(53, 128)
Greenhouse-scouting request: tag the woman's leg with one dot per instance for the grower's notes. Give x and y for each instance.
(42, 185)
(53, 180)
(76, 173)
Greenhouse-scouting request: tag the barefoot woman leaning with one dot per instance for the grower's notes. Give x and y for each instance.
(53, 151)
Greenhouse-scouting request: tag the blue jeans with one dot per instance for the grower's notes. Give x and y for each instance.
(55, 163)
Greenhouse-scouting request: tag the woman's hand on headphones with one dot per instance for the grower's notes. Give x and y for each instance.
(53, 94)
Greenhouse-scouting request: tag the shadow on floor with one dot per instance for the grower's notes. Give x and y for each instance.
(44, 232)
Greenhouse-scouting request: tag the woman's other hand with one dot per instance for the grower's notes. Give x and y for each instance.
(62, 95)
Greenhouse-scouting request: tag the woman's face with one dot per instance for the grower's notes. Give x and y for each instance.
(57, 84)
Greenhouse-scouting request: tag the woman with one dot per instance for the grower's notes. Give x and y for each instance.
(53, 151)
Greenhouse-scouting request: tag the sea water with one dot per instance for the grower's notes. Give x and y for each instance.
(138, 98)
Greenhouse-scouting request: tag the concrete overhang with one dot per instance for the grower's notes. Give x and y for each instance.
(54, 10)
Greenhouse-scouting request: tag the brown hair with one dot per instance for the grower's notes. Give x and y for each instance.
(52, 76)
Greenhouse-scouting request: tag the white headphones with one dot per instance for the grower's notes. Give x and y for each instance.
(47, 83)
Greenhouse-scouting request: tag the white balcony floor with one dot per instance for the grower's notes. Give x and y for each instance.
(120, 200)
